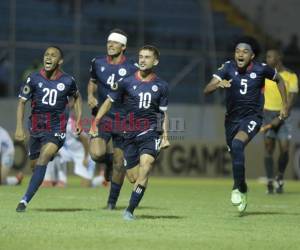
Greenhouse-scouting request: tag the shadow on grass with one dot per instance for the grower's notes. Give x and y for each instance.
(153, 217)
(122, 208)
(258, 213)
(61, 209)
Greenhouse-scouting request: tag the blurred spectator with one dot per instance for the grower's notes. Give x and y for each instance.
(35, 66)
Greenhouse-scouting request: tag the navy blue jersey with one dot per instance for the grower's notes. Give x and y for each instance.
(245, 96)
(49, 99)
(107, 75)
(145, 102)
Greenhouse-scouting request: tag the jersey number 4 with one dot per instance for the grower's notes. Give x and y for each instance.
(49, 97)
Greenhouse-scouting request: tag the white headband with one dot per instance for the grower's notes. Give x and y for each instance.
(116, 37)
(245, 46)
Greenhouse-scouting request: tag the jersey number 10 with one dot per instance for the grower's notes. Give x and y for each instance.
(145, 100)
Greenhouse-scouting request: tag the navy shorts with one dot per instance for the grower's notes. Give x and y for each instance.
(37, 141)
(249, 124)
(283, 132)
(106, 131)
(143, 143)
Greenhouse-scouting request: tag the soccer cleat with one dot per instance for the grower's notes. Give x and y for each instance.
(279, 185)
(236, 197)
(243, 205)
(21, 207)
(128, 216)
(270, 187)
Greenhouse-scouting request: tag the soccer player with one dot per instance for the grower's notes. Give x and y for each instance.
(106, 72)
(145, 134)
(243, 80)
(282, 132)
(7, 154)
(49, 91)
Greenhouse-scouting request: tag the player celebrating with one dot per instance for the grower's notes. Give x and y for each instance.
(105, 73)
(282, 132)
(243, 81)
(49, 91)
(147, 98)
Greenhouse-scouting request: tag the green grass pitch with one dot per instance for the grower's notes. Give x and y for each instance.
(176, 213)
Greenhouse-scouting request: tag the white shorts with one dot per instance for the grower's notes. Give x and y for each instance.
(86, 172)
(7, 159)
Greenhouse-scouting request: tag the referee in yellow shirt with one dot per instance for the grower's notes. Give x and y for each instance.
(281, 132)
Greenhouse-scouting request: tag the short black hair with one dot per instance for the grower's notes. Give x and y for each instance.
(251, 41)
(151, 48)
(119, 31)
(59, 49)
(278, 50)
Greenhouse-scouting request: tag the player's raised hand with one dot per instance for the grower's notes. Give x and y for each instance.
(20, 135)
(225, 84)
(92, 101)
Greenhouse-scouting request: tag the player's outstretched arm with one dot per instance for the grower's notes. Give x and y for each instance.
(92, 88)
(20, 133)
(282, 90)
(105, 107)
(78, 111)
(216, 83)
(164, 141)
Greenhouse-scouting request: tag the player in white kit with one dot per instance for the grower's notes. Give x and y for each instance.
(7, 154)
(75, 150)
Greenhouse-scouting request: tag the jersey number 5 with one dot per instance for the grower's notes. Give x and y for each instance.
(50, 96)
(244, 85)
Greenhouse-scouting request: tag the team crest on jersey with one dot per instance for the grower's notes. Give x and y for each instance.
(253, 75)
(154, 88)
(40, 84)
(134, 87)
(26, 89)
(102, 68)
(122, 72)
(60, 86)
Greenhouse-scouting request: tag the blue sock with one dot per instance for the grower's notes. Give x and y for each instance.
(114, 193)
(108, 159)
(35, 182)
(136, 197)
(238, 165)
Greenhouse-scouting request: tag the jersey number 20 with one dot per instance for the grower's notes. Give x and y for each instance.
(50, 96)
